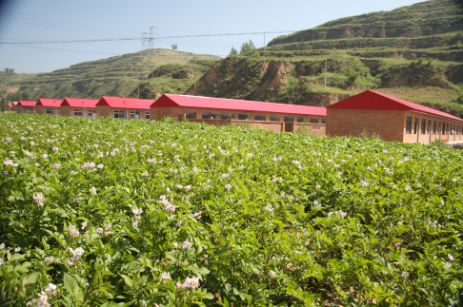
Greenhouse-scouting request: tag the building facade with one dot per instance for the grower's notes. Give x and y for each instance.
(26, 106)
(79, 107)
(48, 106)
(121, 107)
(220, 111)
(372, 113)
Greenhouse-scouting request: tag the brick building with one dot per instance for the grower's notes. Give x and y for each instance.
(80, 107)
(220, 111)
(26, 106)
(48, 106)
(121, 107)
(372, 113)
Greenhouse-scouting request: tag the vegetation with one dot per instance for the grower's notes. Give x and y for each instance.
(105, 212)
(120, 75)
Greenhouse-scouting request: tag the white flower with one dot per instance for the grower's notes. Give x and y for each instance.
(165, 276)
(38, 199)
(408, 188)
(228, 186)
(167, 205)
(92, 190)
(277, 158)
(76, 254)
(49, 259)
(189, 283)
(73, 231)
(2, 261)
(56, 165)
(55, 149)
(187, 188)
(137, 211)
(405, 275)
(45, 156)
(99, 230)
(269, 208)
(83, 225)
(2, 246)
(195, 170)
(51, 289)
(272, 274)
(250, 155)
(187, 245)
(317, 204)
(197, 215)
(298, 164)
(8, 162)
(145, 174)
(364, 183)
(451, 258)
(225, 176)
(100, 166)
(89, 165)
(17, 249)
(318, 187)
(42, 301)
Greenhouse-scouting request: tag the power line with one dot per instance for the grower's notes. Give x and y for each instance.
(149, 39)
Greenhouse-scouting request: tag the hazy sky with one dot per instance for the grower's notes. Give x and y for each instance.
(58, 20)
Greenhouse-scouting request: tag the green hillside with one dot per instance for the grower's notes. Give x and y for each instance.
(119, 75)
(415, 52)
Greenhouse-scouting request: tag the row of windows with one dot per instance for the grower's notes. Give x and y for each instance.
(132, 114)
(415, 125)
(90, 113)
(258, 117)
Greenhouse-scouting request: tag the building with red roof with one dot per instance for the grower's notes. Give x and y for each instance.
(81, 107)
(123, 107)
(265, 115)
(48, 106)
(392, 119)
(26, 106)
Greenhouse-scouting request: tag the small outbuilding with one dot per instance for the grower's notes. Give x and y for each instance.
(48, 106)
(122, 107)
(372, 113)
(221, 111)
(80, 107)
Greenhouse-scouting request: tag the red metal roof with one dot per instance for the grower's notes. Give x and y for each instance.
(80, 103)
(374, 100)
(125, 103)
(187, 101)
(27, 103)
(47, 102)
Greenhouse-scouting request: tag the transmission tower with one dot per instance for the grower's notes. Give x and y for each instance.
(144, 36)
(151, 38)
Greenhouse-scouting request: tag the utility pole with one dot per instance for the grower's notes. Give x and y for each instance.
(151, 38)
(265, 48)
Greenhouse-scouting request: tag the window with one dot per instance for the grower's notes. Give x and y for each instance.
(78, 112)
(259, 117)
(147, 115)
(434, 127)
(190, 115)
(323, 121)
(313, 120)
(300, 119)
(415, 126)
(274, 118)
(289, 119)
(207, 115)
(226, 116)
(28, 110)
(91, 114)
(423, 126)
(134, 114)
(408, 125)
(429, 126)
(51, 111)
(119, 114)
(242, 116)
(444, 130)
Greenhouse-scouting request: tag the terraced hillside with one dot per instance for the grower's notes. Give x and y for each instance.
(120, 75)
(415, 52)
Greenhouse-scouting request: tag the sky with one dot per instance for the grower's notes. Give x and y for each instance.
(31, 21)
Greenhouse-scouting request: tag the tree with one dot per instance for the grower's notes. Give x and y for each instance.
(233, 52)
(9, 70)
(174, 46)
(249, 49)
